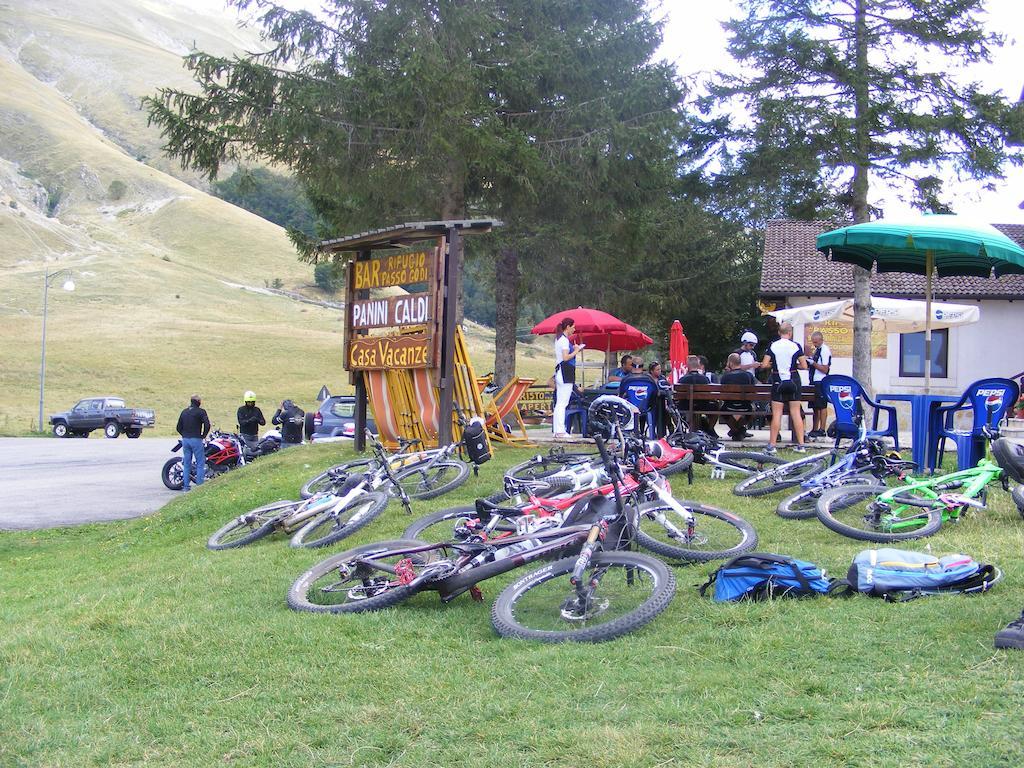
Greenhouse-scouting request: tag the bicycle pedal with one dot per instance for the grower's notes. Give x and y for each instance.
(476, 593)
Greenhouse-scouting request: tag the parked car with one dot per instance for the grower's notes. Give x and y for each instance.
(106, 413)
(336, 417)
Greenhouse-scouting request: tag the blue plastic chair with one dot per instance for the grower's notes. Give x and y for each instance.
(990, 399)
(642, 391)
(848, 397)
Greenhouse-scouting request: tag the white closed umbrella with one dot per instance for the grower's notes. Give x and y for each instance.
(892, 315)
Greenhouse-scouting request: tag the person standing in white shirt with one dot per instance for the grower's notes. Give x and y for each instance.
(565, 374)
(785, 357)
(819, 364)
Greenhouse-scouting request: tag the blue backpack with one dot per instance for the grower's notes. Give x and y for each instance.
(899, 575)
(763, 575)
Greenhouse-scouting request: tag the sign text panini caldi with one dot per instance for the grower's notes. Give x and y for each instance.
(413, 309)
(383, 352)
(398, 269)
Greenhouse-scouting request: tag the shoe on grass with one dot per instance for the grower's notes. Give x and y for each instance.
(1012, 636)
(799, 448)
(770, 450)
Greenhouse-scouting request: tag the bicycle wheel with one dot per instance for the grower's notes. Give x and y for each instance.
(1018, 498)
(803, 504)
(679, 466)
(341, 584)
(715, 534)
(747, 462)
(854, 511)
(438, 526)
(251, 526)
(781, 477)
(540, 467)
(427, 481)
(627, 591)
(328, 478)
(334, 525)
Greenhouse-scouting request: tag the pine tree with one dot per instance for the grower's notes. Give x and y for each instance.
(844, 94)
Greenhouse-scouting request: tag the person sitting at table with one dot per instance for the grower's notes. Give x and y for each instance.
(735, 374)
(625, 368)
(705, 422)
(712, 376)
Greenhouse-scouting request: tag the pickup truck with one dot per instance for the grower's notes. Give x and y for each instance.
(106, 413)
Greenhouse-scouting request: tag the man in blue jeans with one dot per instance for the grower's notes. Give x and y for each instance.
(193, 426)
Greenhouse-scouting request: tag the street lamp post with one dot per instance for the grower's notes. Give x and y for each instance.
(69, 285)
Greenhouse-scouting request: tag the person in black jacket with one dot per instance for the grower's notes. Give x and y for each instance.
(250, 419)
(290, 417)
(193, 426)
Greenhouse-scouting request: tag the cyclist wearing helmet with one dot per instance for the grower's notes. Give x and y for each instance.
(250, 419)
(290, 417)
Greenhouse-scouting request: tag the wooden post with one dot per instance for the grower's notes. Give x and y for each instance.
(450, 293)
(357, 376)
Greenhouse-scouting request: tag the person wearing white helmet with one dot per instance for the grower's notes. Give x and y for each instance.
(250, 419)
(748, 358)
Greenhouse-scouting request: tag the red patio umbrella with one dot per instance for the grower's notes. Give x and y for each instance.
(678, 351)
(616, 341)
(587, 321)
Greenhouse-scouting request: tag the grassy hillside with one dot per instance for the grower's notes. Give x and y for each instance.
(162, 269)
(131, 644)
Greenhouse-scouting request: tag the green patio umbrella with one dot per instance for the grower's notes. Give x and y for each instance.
(926, 245)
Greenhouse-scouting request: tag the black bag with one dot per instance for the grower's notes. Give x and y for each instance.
(475, 442)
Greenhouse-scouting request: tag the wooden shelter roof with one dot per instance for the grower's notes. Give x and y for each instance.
(401, 235)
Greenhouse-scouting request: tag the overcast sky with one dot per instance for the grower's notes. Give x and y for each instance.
(695, 42)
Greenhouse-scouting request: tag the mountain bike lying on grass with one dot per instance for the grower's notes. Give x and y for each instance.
(784, 475)
(351, 501)
(866, 462)
(424, 474)
(598, 593)
(919, 507)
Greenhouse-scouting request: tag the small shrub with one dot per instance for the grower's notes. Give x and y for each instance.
(327, 277)
(277, 283)
(116, 189)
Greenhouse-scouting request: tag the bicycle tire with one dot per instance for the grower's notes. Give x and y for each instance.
(539, 468)
(249, 527)
(679, 466)
(1017, 494)
(781, 477)
(512, 610)
(324, 480)
(304, 594)
(717, 534)
(330, 526)
(428, 481)
(436, 521)
(803, 504)
(748, 462)
(839, 508)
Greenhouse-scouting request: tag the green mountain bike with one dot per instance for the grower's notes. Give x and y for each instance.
(916, 509)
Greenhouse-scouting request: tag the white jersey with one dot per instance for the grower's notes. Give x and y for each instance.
(784, 353)
(823, 356)
(561, 348)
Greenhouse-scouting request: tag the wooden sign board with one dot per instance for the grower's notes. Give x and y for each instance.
(399, 269)
(374, 353)
(414, 309)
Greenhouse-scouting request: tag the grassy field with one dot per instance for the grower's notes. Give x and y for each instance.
(130, 643)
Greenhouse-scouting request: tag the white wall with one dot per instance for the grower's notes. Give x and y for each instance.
(994, 346)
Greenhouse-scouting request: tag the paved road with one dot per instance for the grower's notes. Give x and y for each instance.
(46, 482)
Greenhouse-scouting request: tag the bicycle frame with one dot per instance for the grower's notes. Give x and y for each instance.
(973, 480)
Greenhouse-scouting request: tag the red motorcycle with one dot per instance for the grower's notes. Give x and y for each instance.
(224, 451)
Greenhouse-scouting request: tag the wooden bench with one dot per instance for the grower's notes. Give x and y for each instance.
(689, 396)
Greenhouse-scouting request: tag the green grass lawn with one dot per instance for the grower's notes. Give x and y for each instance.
(130, 643)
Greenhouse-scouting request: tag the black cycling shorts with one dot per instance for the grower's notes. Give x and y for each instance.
(820, 402)
(785, 391)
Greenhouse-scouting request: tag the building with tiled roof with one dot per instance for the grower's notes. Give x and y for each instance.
(794, 273)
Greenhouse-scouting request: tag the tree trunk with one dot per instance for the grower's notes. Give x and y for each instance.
(861, 277)
(506, 311)
(453, 206)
